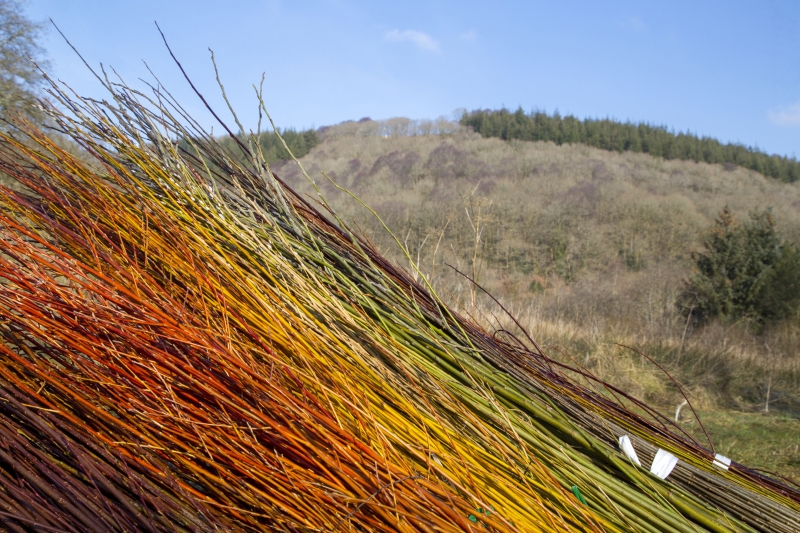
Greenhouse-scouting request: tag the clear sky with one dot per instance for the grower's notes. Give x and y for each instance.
(726, 69)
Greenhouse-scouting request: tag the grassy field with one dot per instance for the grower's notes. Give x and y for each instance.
(758, 440)
(588, 249)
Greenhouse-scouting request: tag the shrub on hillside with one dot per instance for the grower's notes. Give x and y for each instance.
(745, 270)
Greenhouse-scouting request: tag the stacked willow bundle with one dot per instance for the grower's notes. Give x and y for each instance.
(189, 346)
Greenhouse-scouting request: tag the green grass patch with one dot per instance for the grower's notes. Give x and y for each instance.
(758, 440)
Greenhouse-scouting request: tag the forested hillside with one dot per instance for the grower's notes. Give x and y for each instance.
(590, 249)
(627, 137)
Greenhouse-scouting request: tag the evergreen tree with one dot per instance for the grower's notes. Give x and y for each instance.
(781, 295)
(745, 270)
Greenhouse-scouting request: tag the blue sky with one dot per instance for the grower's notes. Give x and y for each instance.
(729, 70)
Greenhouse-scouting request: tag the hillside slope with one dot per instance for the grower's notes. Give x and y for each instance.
(588, 248)
(560, 213)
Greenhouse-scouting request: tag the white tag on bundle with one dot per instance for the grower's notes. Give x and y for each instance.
(663, 463)
(626, 446)
(720, 461)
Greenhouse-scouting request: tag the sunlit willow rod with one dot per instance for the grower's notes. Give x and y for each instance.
(187, 345)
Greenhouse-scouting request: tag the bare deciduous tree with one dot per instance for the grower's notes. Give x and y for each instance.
(19, 47)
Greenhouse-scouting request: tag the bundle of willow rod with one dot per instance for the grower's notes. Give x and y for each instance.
(189, 346)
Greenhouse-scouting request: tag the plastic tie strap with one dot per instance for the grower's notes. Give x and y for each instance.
(663, 463)
(626, 446)
(721, 462)
(577, 492)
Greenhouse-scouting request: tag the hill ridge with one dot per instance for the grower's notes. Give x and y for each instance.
(613, 135)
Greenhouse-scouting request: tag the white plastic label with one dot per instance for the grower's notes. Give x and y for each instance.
(720, 461)
(626, 446)
(663, 463)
